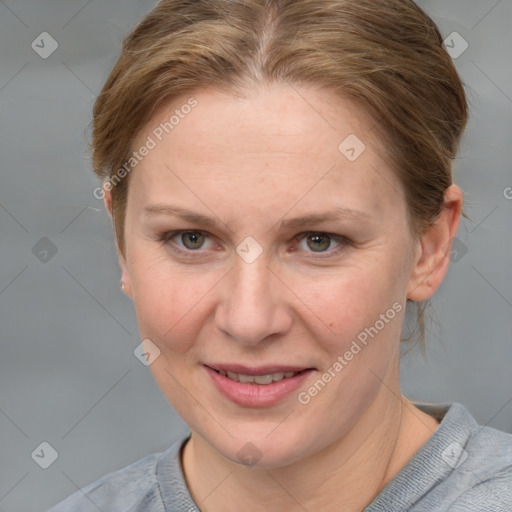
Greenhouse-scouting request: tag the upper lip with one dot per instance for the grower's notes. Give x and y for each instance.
(259, 370)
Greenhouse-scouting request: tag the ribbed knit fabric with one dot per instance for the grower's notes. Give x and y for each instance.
(463, 467)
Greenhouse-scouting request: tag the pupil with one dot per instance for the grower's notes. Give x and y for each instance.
(320, 242)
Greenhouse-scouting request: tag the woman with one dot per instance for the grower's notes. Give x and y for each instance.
(278, 174)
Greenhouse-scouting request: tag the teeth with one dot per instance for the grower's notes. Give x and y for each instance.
(265, 379)
(258, 379)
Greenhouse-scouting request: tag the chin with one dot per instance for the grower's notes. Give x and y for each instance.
(261, 450)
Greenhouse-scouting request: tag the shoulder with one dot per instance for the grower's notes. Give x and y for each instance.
(494, 493)
(463, 467)
(475, 464)
(133, 488)
(484, 475)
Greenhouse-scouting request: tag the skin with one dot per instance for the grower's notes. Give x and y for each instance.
(248, 163)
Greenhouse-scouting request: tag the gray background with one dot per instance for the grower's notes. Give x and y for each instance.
(67, 369)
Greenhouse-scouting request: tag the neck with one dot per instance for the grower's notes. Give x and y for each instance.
(346, 476)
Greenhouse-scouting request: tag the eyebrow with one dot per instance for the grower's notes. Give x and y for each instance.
(314, 218)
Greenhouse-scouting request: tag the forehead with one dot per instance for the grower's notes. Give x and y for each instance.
(271, 138)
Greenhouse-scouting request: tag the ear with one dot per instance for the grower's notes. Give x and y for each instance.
(433, 249)
(125, 275)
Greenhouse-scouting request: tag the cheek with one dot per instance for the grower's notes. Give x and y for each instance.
(364, 315)
(171, 303)
(350, 299)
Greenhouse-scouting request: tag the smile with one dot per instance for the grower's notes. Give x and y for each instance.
(257, 387)
(257, 379)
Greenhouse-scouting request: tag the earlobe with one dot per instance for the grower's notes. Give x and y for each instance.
(125, 276)
(433, 249)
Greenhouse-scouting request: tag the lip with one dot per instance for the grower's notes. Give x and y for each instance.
(257, 395)
(260, 370)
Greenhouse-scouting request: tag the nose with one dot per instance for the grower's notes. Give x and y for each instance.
(253, 306)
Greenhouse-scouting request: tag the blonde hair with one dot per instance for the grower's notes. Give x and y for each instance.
(386, 56)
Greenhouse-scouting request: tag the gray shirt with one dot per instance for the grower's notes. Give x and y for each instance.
(463, 467)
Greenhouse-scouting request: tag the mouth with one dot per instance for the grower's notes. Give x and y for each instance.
(264, 386)
(260, 378)
(262, 375)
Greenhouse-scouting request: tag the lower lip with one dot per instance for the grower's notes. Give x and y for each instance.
(257, 395)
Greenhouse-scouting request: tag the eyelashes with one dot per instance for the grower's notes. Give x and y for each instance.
(192, 243)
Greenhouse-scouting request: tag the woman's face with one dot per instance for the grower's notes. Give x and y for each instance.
(292, 252)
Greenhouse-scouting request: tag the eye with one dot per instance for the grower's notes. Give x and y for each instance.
(186, 240)
(318, 242)
(192, 239)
